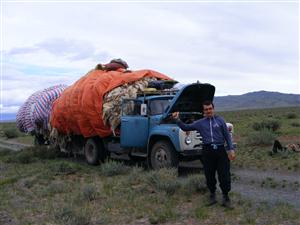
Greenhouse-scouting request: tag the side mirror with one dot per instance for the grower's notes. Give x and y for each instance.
(143, 109)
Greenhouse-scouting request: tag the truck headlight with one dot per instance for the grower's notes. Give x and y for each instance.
(188, 140)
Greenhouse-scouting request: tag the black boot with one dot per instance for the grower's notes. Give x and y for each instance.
(226, 202)
(212, 199)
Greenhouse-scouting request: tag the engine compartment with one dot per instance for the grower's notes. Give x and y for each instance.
(186, 117)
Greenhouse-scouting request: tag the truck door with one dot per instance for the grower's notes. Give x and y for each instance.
(134, 126)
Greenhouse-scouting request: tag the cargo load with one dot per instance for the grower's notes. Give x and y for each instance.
(33, 116)
(91, 106)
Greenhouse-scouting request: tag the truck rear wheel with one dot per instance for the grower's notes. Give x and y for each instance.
(92, 151)
(163, 155)
(39, 140)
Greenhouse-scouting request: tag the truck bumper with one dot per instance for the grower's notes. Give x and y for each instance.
(192, 152)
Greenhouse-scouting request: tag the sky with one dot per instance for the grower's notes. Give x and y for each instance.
(238, 46)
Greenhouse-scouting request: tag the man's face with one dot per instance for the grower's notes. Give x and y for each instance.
(208, 110)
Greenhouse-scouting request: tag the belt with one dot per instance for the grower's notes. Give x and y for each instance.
(214, 146)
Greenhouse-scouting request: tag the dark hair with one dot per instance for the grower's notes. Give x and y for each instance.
(207, 102)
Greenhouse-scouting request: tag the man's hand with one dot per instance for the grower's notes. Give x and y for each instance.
(231, 155)
(175, 115)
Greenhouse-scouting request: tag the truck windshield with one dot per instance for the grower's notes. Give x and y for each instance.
(158, 106)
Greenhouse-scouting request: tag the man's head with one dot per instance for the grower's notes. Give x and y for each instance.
(208, 109)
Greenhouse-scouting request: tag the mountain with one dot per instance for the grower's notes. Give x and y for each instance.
(256, 100)
(7, 117)
(251, 100)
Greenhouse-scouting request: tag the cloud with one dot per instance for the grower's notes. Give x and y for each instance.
(238, 47)
(18, 86)
(69, 48)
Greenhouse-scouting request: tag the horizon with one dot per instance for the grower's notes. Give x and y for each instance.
(11, 117)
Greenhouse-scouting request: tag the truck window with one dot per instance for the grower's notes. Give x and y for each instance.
(158, 106)
(131, 108)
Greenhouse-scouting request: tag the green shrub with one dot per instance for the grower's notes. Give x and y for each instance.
(5, 152)
(269, 124)
(69, 216)
(113, 168)
(262, 137)
(194, 183)
(63, 168)
(45, 152)
(295, 124)
(163, 180)
(201, 213)
(161, 215)
(291, 115)
(24, 156)
(10, 132)
(89, 192)
(136, 176)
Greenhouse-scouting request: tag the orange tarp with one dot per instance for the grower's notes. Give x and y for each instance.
(79, 108)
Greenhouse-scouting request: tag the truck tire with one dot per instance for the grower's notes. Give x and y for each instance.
(39, 140)
(92, 151)
(201, 159)
(163, 155)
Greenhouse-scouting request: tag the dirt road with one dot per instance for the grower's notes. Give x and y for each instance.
(12, 145)
(257, 185)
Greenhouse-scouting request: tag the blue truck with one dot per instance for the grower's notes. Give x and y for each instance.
(147, 130)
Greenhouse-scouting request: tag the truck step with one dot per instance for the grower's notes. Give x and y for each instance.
(139, 154)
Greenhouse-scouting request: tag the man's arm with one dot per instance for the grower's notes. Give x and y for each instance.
(227, 136)
(230, 149)
(183, 126)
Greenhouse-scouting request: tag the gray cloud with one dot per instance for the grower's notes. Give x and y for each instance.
(72, 49)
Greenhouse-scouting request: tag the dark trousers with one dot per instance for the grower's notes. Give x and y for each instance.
(217, 161)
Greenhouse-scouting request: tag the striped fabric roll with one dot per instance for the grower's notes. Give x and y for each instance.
(34, 114)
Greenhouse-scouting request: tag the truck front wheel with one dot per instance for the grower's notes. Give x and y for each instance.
(91, 151)
(163, 155)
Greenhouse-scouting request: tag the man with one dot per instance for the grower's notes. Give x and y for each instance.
(214, 133)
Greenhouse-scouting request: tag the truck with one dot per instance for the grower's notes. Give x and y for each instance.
(147, 130)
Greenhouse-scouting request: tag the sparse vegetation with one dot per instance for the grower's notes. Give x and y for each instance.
(291, 115)
(113, 168)
(269, 124)
(89, 192)
(37, 186)
(194, 184)
(163, 180)
(63, 168)
(262, 137)
(10, 132)
(295, 124)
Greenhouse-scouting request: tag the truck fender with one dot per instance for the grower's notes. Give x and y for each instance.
(156, 137)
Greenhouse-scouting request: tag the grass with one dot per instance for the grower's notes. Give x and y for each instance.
(39, 186)
(243, 120)
(67, 191)
(254, 147)
(9, 130)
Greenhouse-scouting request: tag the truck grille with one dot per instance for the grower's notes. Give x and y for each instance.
(198, 136)
(198, 141)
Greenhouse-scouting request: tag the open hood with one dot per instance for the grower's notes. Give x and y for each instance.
(190, 98)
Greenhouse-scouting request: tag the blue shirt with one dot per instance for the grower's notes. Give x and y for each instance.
(213, 130)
